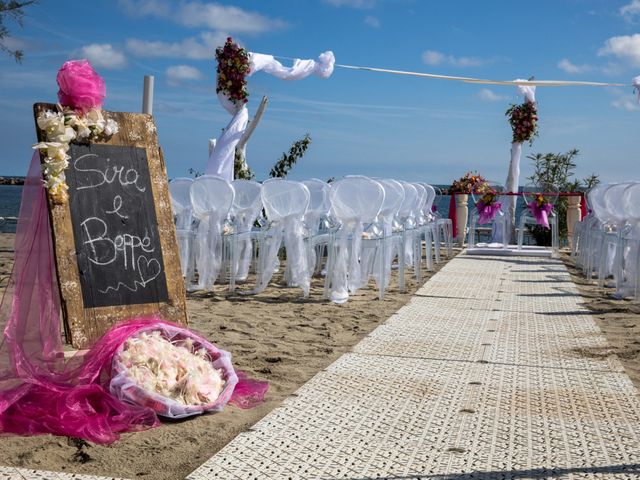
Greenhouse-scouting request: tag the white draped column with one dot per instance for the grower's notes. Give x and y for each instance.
(513, 177)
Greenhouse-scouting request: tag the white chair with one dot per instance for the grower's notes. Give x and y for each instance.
(380, 243)
(316, 221)
(179, 189)
(246, 208)
(550, 193)
(628, 245)
(407, 221)
(494, 217)
(444, 228)
(355, 203)
(211, 199)
(285, 203)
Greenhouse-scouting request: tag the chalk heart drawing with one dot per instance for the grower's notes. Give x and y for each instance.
(148, 270)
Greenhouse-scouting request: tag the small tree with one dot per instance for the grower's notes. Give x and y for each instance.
(11, 9)
(557, 169)
(283, 166)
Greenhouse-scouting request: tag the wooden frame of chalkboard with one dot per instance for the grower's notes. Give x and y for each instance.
(114, 240)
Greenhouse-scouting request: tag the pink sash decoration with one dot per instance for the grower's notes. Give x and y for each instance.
(541, 214)
(486, 213)
(39, 392)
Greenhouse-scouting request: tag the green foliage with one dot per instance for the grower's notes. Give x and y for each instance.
(195, 173)
(240, 169)
(11, 9)
(283, 166)
(557, 169)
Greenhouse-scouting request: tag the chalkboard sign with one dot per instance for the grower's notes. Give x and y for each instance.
(115, 244)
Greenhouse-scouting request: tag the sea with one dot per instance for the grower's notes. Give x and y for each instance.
(10, 196)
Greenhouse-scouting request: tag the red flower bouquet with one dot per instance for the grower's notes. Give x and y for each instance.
(233, 68)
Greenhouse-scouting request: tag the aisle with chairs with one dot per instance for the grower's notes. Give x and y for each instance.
(481, 375)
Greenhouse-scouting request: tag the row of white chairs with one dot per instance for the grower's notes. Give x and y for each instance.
(606, 242)
(361, 224)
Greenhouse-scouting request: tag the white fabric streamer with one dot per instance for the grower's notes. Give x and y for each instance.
(636, 86)
(223, 155)
(322, 68)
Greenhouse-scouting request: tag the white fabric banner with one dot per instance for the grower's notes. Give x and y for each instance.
(323, 67)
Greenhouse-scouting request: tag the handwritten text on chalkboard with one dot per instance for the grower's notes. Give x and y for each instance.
(114, 226)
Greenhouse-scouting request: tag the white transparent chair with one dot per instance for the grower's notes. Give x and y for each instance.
(355, 203)
(590, 231)
(628, 246)
(498, 234)
(317, 222)
(408, 226)
(380, 244)
(211, 198)
(419, 221)
(550, 193)
(179, 189)
(246, 208)
(429, 227)
(444, 229)
(285, 203)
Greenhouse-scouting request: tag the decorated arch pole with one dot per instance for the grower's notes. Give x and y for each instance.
(235, 64)
(523, 119)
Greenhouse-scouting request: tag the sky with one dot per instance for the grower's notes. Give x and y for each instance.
(360, 122)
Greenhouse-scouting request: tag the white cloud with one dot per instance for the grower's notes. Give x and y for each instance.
(631, 11)
(194, 48)
(372, 21)
(433, 58)
(626, 102)
(625, 47)
(177, 74)
(566, 66)
(102, 55)
(352, 3)
(209, 15)
(490, 96)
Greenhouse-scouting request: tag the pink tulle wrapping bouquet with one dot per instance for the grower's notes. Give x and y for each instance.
(173, 371)
(80, 86)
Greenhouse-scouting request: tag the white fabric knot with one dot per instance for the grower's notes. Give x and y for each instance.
(529, 91)
(636, 85)
(325, 63)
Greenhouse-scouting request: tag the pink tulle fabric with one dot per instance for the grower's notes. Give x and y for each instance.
(486, 213)
(40, 392)
(80, 86)
(541, 214)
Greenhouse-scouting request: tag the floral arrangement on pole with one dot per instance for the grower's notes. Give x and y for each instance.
(469, 183)
(540, 207)
(78, 117)
(233, 68)
(523, 119)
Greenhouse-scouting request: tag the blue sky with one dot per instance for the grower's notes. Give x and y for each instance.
(360, 122)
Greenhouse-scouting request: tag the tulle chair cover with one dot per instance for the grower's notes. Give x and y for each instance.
(355, 202)
(407, 219)
(211, 198)
(631, 205)
(179, 189)
(246, 208)
(489, 214)
(544, 216)
(285, 203)
(316, 216)
(393, 198)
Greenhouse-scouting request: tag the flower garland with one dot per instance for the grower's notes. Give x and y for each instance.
(469, 183)
(523, 119)
(176, 371)
(233, 67)
(60, 128)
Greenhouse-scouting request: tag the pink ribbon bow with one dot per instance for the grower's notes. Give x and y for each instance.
(541, 214)
(487, 212)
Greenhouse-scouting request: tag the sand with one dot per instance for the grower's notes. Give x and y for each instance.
(619, 320)
(275, 336)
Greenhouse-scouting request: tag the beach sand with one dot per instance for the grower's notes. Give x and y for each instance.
(619, 320)
(275, 336)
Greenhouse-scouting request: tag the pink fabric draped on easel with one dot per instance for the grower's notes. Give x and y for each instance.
(40, 392)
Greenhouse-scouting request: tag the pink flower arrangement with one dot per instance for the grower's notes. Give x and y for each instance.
(233, 67)
(80, 86)
(524, 122)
